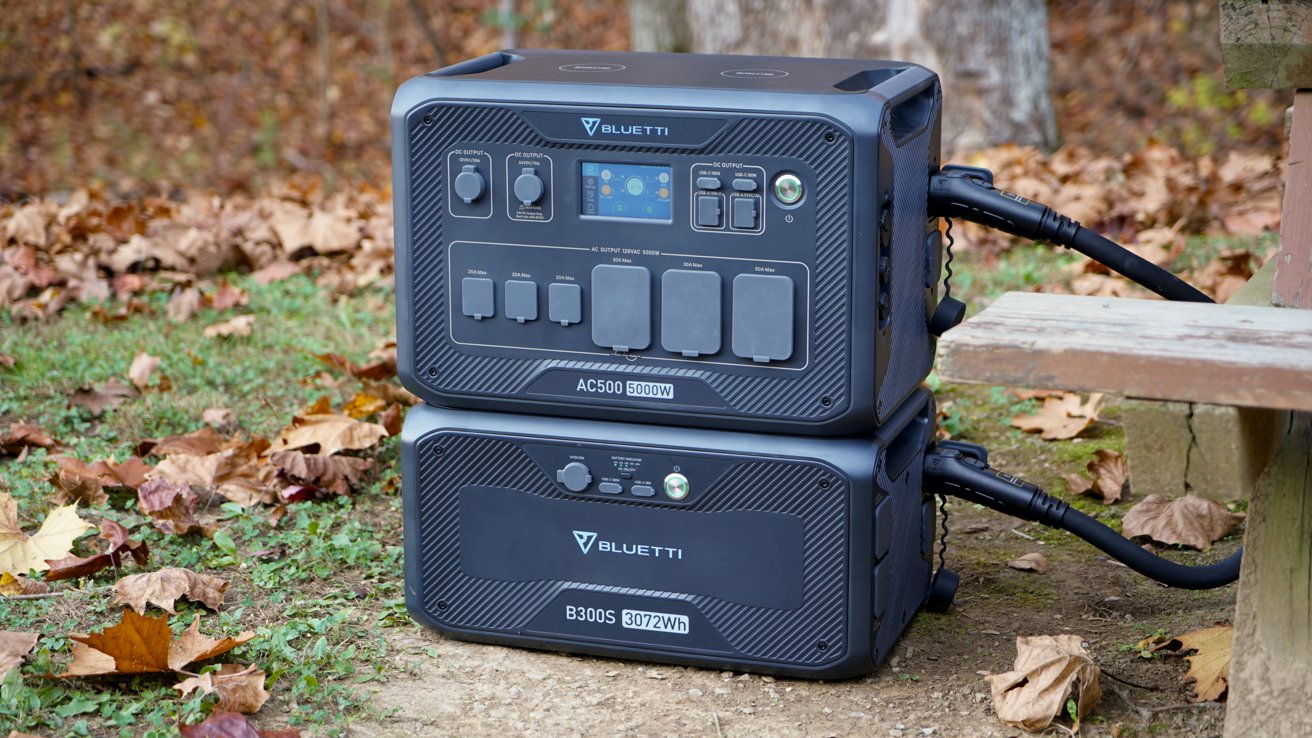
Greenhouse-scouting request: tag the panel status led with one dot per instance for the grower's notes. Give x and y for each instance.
(627, 192)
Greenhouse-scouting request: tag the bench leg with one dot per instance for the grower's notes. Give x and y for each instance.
(1271, 667)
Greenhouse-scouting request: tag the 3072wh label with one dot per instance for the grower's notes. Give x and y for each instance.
(658, 621)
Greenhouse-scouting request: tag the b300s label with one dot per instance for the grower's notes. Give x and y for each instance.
(627, 388)
(661, 622)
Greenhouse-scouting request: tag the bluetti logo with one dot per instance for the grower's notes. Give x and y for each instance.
(594, 126)
(585, 538)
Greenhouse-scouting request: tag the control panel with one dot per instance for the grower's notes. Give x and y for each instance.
(603, 472)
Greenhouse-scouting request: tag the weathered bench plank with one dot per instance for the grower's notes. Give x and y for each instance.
(1222, 354)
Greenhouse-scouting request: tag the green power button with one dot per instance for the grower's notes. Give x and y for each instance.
(676, 486)
(788, 189)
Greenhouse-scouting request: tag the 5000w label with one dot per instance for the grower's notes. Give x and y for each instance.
(629, 388)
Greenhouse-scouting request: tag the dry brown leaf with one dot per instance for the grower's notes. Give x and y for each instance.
(72, 567)
(1209, 664)
(144, 645)
(171, 505)
(7, 361)
(276, 272)
(97, 400)
(20, 552)
(223, 419)
(225, 724)
(237, 471)
(1047, 670)
(1191, 520)
(240, 688)
(22, 436)
(199, 442)
(13, 647)
(1110, 470)
(143, 365)
(1061, 417)
(329, 433)
(183, 304)
(393, 418)
(336, 474)
(238, 326)
(165, 586)
(20, 585)
(1035, 562)
(227, 296)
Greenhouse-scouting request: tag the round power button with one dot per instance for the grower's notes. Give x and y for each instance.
(788, 189)
(676, 486)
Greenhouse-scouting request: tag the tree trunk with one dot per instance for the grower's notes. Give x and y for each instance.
(992, 56)
(659, 25)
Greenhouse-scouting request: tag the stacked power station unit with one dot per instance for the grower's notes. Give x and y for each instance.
(670, 317)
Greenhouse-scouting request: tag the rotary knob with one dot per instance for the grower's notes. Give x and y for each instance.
(575, 476)
(469, 184)
(529, 187)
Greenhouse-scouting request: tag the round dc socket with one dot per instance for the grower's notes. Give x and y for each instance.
(676, 486)
(788, 189)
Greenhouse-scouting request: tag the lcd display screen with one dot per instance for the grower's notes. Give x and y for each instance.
(627, 192)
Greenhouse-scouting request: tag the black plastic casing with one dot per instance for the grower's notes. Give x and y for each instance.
(864, 257)
(790, 555)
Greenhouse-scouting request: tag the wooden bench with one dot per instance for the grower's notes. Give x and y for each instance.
(1257, 359)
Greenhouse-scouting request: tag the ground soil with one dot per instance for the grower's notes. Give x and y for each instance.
(932, 686)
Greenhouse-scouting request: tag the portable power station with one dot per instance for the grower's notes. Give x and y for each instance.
(783, 554)
(716, 241)
(701, 247)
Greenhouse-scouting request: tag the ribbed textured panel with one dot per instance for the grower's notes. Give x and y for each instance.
(788, 636)
(910, 569)
(912, 348)
(788, 397)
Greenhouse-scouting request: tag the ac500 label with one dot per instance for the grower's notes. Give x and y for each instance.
(629, 388)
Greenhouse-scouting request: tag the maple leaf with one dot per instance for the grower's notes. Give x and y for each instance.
(79, 482)
(224, 724)
(22, 436)
(330, 433)
(165, 586)
(237, 471)
(108, 396)
(1035, 562)
(1061, 417)
(200, 442)
(72, 567)
(1209, 662)
(1110, 472)
(20, 553)
(144, 645)
(238, 326)
(1191, 520)
(1046, 671)
(334, 473)
(240, 688)
(170, 504)
(20, 585)
(362, 405)
(13, 647)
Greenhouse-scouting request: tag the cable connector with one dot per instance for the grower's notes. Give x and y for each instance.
(968, 193)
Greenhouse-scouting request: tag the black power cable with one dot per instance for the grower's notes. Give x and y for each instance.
(968, 193)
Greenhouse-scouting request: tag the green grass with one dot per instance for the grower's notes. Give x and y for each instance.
(317, 588)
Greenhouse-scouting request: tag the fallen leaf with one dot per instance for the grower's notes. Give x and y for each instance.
(171, 505)
(330, 433)
(199, 442)
(165, 586)
(237, 471)
(76, 481)
(109, 395)
(20, 585)
(222, 419)
(334, 473)
(20, 553)
(1209, 664)
(144, 645)
(143, 365)
(1110, 472)
(224, 724)
(238, 326)
(240, 688)
(362, 405)
(1191, 520)
(183, 304)
(227, 296)
(1035, 562)
(72, 567)
(276, 272)
(1047, 670)
(7, 361)
(393, 418)
(22, 436)
(13, 647)
(1061, 417)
